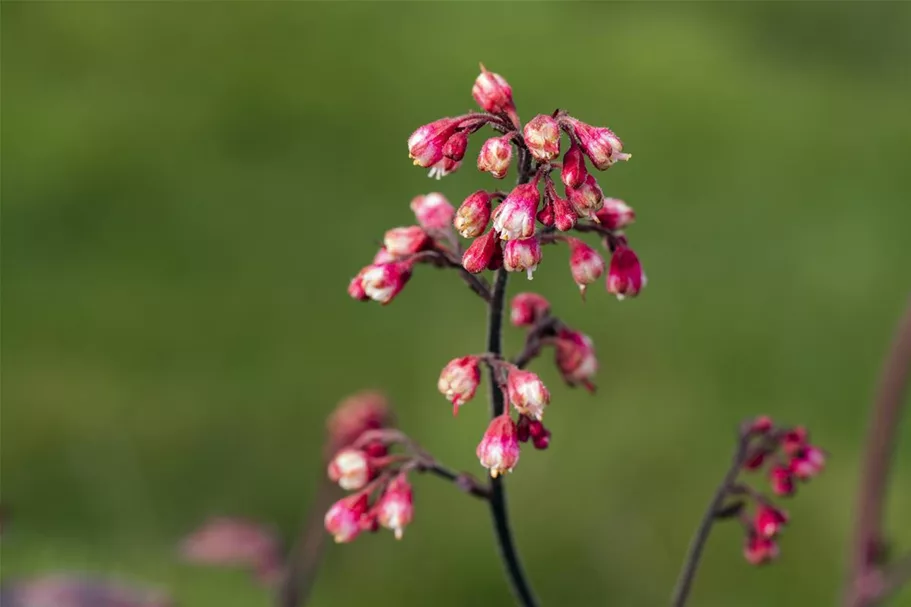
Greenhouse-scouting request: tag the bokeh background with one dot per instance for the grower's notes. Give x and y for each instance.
(187, 189)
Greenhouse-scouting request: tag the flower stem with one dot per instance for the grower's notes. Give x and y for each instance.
(514, 571)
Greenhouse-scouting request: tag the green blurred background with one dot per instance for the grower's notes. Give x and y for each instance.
(187, 189)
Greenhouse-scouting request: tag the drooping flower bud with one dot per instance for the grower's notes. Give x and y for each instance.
(527, 393)
(769, 520)
(405, 241)
(499, 448)
(540, 436)
(433, 212)
(515, 217)
(615, 214)
(356, 286)
(573, 172)
(585, 264)
(350, 468)
(564, 214)
(587, 199)
(492, 93)
(794, 440)
(600, 144)
(546, 215)
(425, 146)
(383, 256)
(759, 550)
(455, 146)
(542, 137)
(343, 520)
(782, 480)
(527, 309)
(522, 256)
(755, 459)
(362, 411)
(495, 156)
(478, 255)
(625, 277)
(523, 428)
(395, 508)
(383, 282)
(459, 381)
(473, 216)
(808, 462)
(574, 355)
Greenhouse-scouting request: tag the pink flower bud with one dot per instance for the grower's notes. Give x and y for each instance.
(444, 167)
(769, 520)
(480, 253)
(350, 468)
(362, 411)
(473, 216)
(542, 137)
(522, 256)
(433, 212)
(496, 261)
(587, 199)
(495, 156)
(546, 215)
(761, 425)
(599, 143)
(343, 520)
(455, 146)
(585, 264)
(356, 286)
(527, 393)
(808, 462)
(625, 277)
(425, 146)
(794, 440)
(404, 242)
(759, 550)
(541, 440)
(574, 354)
(383, 282)
(527, 309)
(459, 381)
(492, 93)
(564, 214)
(615, 214)
(782, 480)
(515, 217)
(499, 449)
(523, 428)
(395, 508)
(755, 460)
(573, 172)
(383, 256)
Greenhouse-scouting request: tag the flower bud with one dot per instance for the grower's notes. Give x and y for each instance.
(455, 146)
(542, 137)
(808, 462)
(515, 217)
(492, 93)
(425, 146)
(383, 282)
(522, 255)
(615, 214)
(459, 381)
(625, 277)
(473, 216)
(546, 215)
(574, 355)
(499, 448)
(444, 167)
(350, 468)
(794, 440)
(395, 508)
(356, 286)
(755, 459)
(362, 411)
(523, 428)
(480, 253)
(585, 264)
(599, 143)
(343, 520)
(782, 480)
(587, 199)
(759, 550)
(573, 172)
(541, 441)
(495, 156)
(527, 393)
(404, 242)
(769, 520)
(564, 214)
(496, 261)
(433, 212)
(527, 309)
(383, 256)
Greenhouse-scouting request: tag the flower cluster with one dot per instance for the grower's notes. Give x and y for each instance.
(508, 229)
(787, 456)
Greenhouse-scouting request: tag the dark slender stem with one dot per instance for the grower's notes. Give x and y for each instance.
(462, 480)
(697, 544)
(881, 438)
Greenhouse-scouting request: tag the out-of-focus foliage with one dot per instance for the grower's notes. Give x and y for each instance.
(188, 187)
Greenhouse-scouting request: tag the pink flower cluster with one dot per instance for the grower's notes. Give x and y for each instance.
(788, 456)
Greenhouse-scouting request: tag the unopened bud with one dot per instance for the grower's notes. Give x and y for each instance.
(522, 256)
(480, 253)
(433, 212)
(585, 264)
(395, 508)
(492, 93)
(615, 214)
(527, 393)
(573, 172)
(499, 448)
(527, 309)
(343, 520)
(425, 146)
(459, 381)
(350, 468)
(515, 217)
(495, 156)
(383, 282)
(542, 137)
(625, 277)
(406, 241)
(473, 216)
